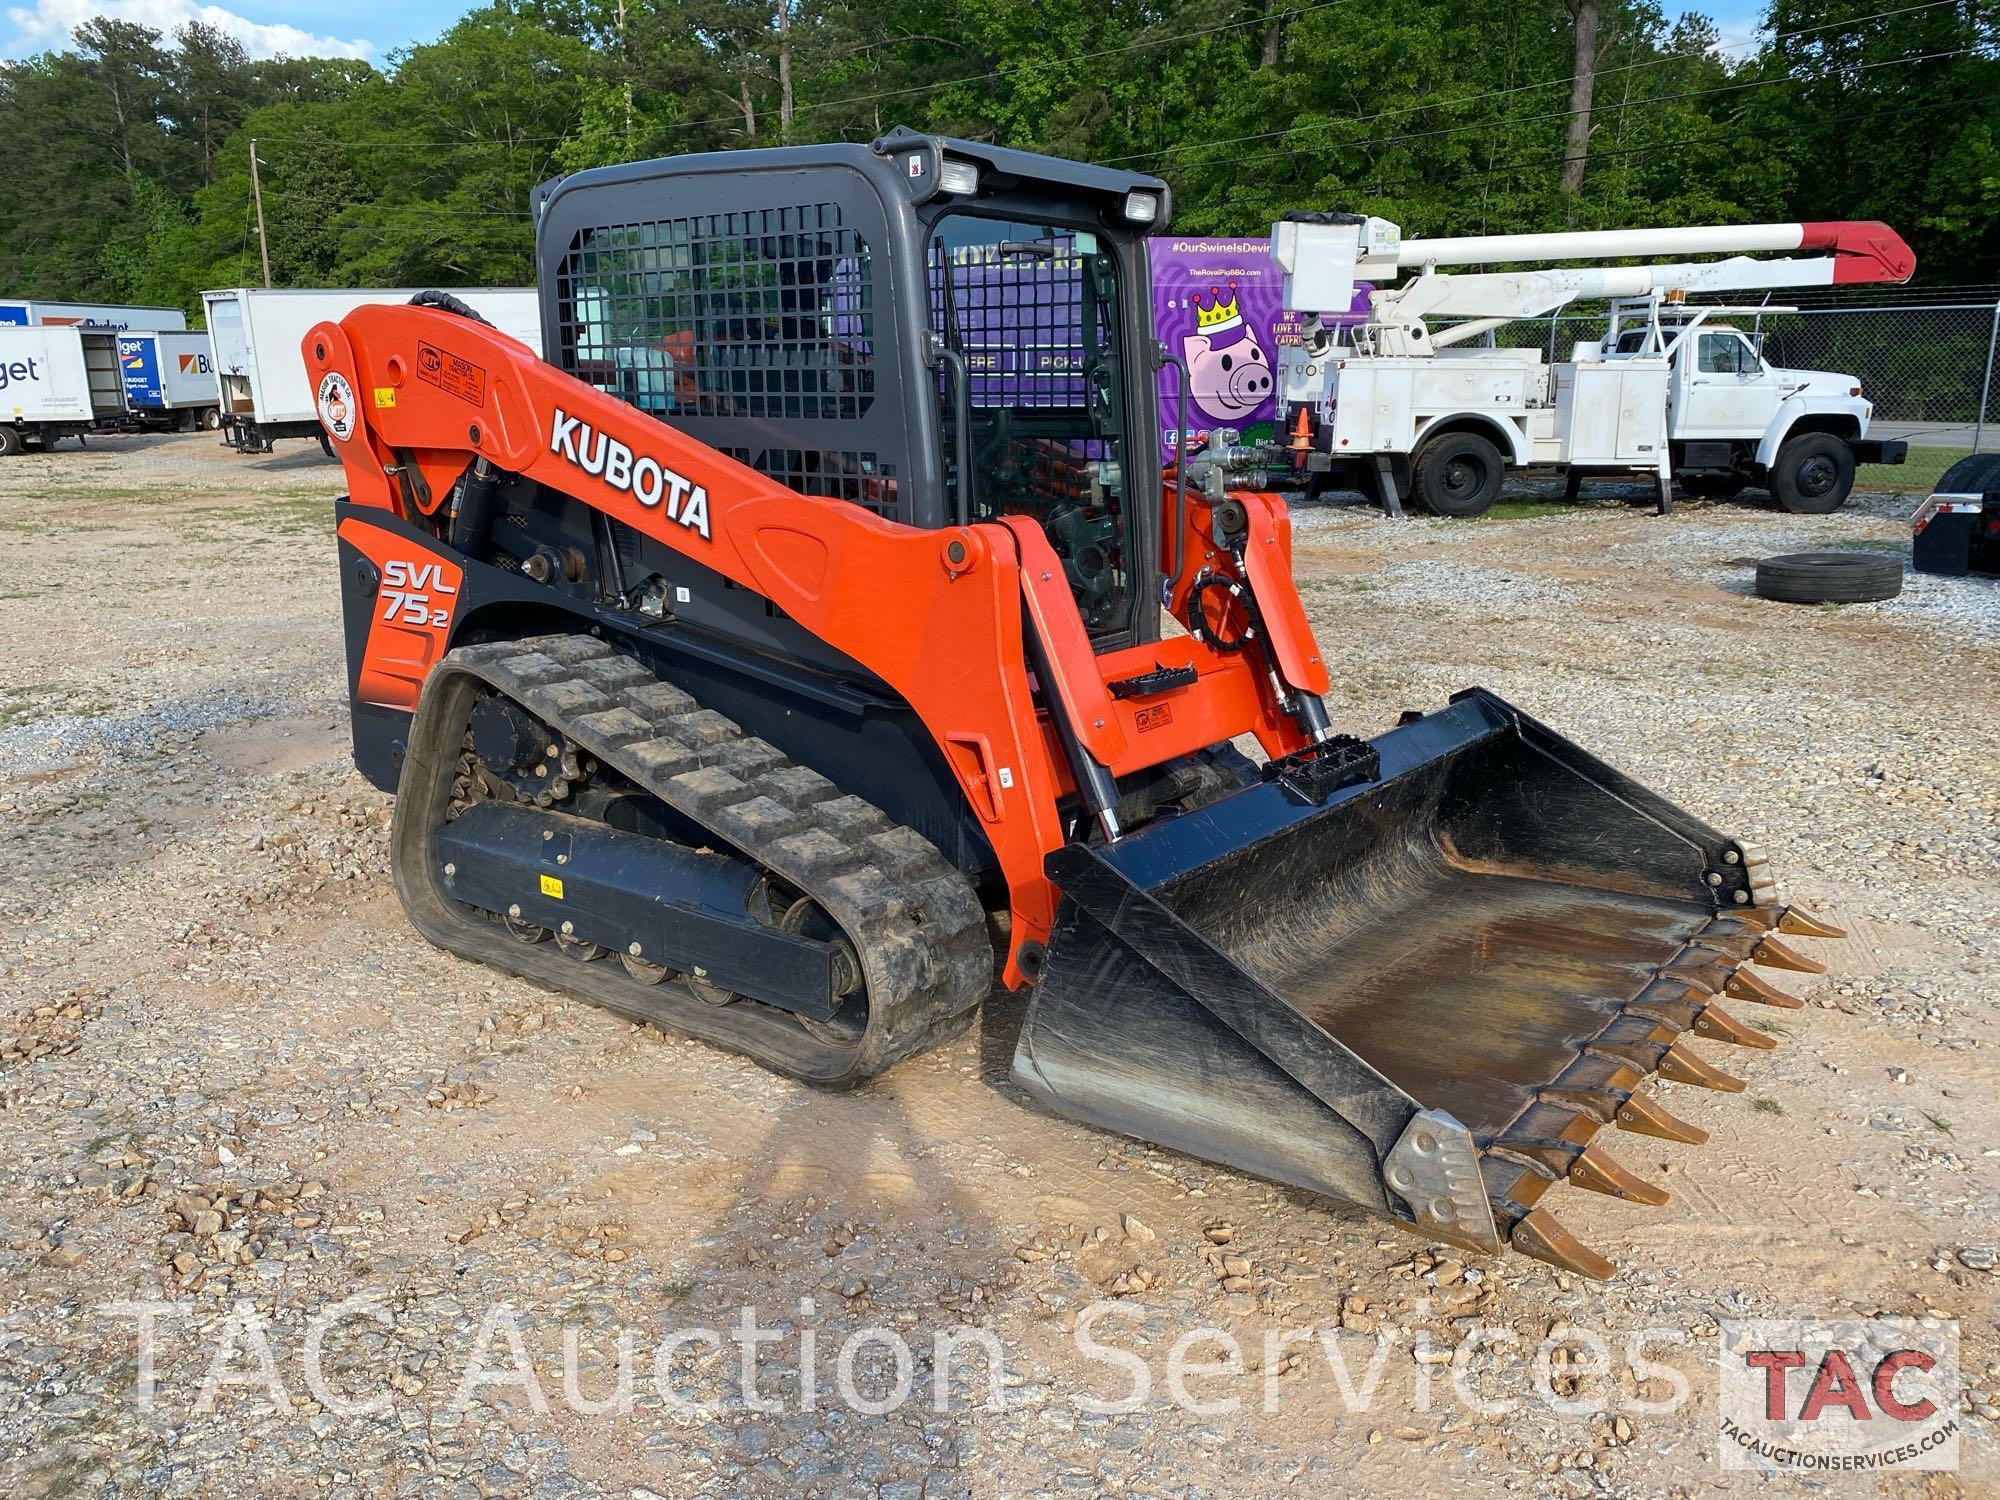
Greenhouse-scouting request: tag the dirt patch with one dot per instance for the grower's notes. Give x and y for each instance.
(196, 868)
(277, 747)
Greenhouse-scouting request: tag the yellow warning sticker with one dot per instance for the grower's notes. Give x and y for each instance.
(552, 886)
(385, 395)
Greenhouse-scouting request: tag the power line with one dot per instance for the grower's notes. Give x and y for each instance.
(1144, 43)
(1654, 149)
(484, 143)
(1374, 142)
(1436, 101)
(992, 74)
(1045, 62)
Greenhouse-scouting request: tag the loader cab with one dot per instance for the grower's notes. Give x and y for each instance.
(929, 328)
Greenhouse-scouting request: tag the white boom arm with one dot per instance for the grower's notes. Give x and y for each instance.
(1323, 258)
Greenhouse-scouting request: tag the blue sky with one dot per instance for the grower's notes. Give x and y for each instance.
(375, 28)
(349, 28)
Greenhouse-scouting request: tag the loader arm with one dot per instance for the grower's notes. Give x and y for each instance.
(422, 403)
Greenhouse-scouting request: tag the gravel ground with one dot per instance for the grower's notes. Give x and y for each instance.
(233, 1081)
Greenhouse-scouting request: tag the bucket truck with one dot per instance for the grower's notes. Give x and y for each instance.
(1403, 407)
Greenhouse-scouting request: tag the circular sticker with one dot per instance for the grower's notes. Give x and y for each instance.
(336, 405)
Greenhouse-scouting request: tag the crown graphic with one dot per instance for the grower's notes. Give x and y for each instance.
(1218, 315)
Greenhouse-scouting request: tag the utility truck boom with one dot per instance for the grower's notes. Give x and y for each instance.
(1408, 406)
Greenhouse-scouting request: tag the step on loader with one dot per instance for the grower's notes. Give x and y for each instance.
(815, 637)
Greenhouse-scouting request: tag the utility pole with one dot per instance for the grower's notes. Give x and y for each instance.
(625, 64)
(257, 192)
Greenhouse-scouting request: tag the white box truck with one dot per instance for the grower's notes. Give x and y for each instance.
(1405, 408)
(20, 313)
(255, 335)
(57, 381)
(169, 380)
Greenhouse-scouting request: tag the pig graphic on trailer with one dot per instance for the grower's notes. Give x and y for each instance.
(1218, 304)
(1229, 374)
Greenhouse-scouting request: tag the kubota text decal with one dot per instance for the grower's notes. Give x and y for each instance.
(645, 479)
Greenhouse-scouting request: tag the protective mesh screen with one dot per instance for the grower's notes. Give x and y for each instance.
(761, 314)
(1033, 309)
(1017, 318)
(860, 477)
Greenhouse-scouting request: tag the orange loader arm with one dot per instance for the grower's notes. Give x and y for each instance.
(413, 397)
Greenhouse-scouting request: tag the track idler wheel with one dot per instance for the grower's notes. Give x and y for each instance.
(805, 917)
(642, 971)
(710, 993)
(521, 931)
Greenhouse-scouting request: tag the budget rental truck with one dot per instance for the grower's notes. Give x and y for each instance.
(26, 313)
(169, 380)
(55, 382)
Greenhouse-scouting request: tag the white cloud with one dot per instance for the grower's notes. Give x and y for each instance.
(50, 23)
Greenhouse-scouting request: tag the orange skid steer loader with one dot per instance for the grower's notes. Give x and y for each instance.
(804, 625)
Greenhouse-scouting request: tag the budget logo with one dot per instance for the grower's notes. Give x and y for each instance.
(1839, 1395)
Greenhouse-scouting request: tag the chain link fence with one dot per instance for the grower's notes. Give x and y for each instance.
(1925, 355)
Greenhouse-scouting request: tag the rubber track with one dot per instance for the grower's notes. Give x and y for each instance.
(915, 921)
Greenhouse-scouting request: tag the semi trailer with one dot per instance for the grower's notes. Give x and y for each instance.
(254, 335)
(1400, 407)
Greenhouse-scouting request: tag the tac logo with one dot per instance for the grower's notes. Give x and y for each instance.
(1856, 1395)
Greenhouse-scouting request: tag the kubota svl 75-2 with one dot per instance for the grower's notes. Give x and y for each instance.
(765, 669)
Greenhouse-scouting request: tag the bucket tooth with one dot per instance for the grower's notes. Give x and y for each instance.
(1642, 1116)
(1777, 956)
(1542, 1237)
(1801, 923)
(1682, 1066)
(1595, 1169)
(1718, 1025)
(1744, 985)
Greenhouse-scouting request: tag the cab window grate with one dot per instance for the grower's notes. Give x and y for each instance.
(766, 313)
(859, 478)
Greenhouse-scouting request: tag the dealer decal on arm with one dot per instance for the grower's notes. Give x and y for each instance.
(645, 479)
(337, 405)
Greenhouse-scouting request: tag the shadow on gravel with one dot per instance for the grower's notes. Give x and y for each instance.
(1614, 495)
(306, 456)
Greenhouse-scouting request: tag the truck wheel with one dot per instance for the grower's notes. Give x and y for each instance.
(11, 441)
(1813, 474)
(1830, 577)
(1458, 474)
(211, 418)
